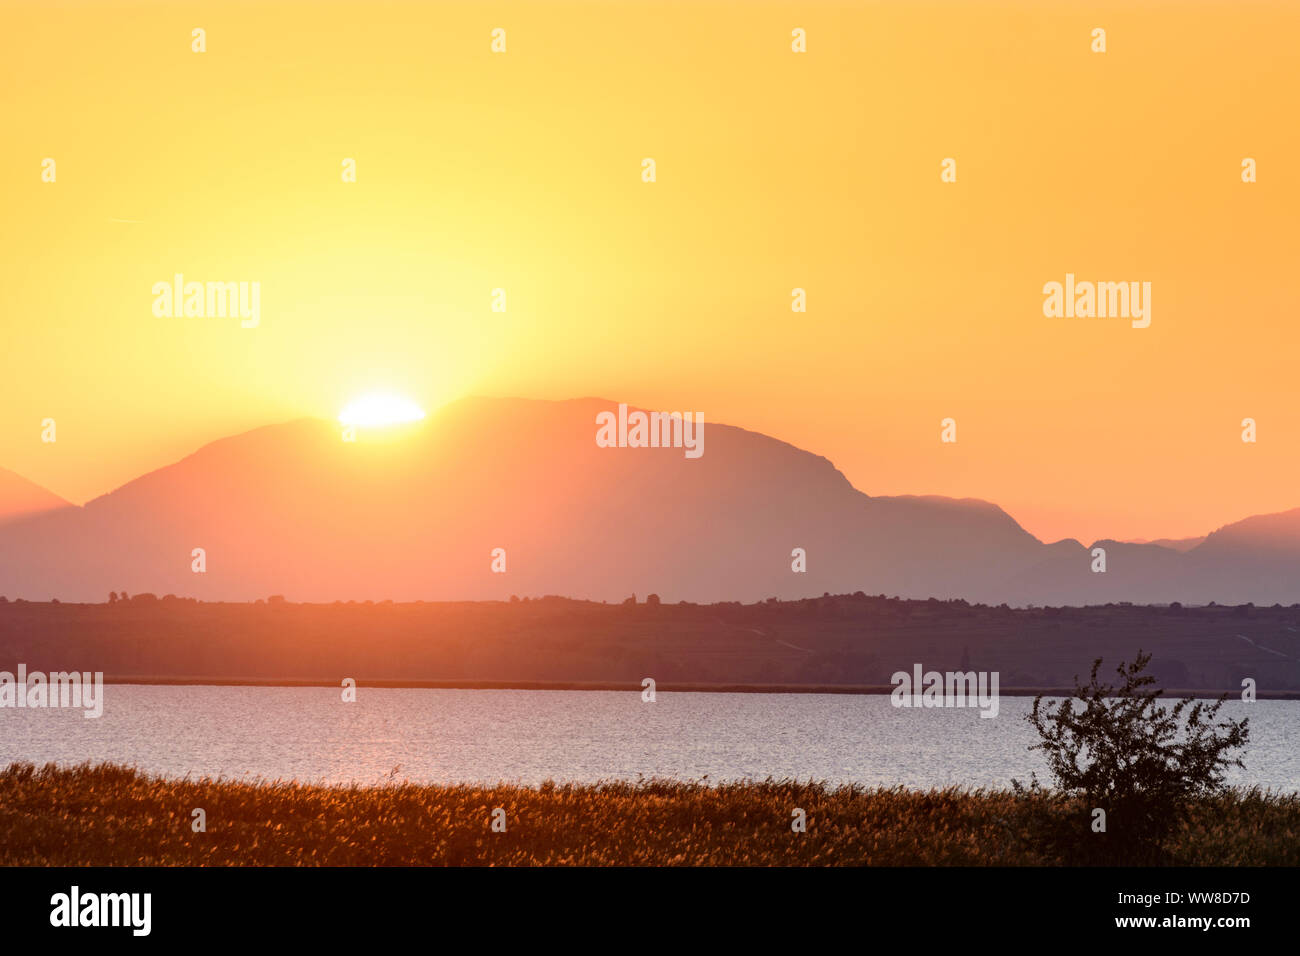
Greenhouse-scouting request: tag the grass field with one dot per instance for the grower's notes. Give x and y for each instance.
(108, 815)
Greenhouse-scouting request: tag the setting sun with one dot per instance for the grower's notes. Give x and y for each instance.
(377, 410)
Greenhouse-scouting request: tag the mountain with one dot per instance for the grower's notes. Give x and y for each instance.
(1174, 544)
(20, 498)
(1275, 534)
(416, 513)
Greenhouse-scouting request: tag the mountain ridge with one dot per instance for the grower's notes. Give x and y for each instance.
(22, 498)
(416, 513)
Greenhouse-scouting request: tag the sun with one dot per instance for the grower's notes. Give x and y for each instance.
(380, 409)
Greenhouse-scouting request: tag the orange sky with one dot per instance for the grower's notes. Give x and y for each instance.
(776, 170)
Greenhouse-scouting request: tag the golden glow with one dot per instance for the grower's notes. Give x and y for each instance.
(380, 409)
(521, 171)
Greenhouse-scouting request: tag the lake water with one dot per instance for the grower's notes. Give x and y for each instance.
(521, 736)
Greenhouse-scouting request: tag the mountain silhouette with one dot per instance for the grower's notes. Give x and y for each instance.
(416, 512)
(20, 498)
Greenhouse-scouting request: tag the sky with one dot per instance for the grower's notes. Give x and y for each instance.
(522, 171)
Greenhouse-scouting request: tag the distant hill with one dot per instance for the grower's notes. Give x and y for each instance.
(847, 639)
(293, 509)
(20, 498)
(1174, 544)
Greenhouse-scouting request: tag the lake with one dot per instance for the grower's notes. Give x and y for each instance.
(528, 736)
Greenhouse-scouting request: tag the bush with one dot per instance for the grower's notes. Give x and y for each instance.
(1135, 757)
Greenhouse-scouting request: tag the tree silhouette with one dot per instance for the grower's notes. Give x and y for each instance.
(1133, 755)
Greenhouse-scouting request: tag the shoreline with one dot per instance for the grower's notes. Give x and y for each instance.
(668, 687)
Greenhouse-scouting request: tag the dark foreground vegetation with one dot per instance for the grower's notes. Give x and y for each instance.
(113, 816)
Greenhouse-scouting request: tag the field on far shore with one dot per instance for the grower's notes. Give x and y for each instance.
(107, 815)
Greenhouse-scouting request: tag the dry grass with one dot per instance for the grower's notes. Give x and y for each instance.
(111, 815)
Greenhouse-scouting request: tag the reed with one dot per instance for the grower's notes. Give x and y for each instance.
(109, 815)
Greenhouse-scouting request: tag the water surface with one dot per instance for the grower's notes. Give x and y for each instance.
(529, 736)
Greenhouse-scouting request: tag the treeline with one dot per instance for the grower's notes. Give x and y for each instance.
(851, 639)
